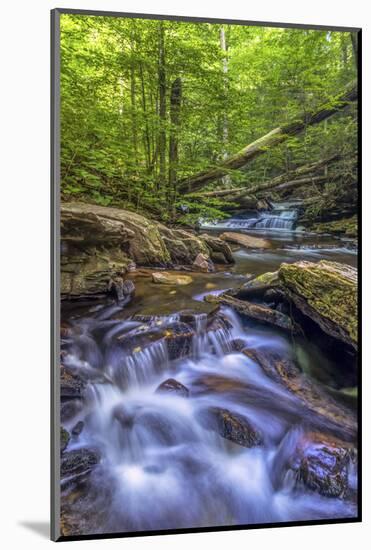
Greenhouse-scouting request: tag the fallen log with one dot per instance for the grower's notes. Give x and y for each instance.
(274, 137)
(281, 179)
(254, 311)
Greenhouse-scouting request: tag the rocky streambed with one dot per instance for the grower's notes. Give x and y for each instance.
(204, 383)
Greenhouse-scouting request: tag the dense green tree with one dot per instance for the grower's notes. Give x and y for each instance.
(146, 104)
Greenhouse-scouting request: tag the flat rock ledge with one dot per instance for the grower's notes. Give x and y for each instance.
(100, 245)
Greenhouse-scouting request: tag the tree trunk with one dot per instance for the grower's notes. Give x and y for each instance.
(354, 39)
(175, 102)
(275, 137)
(224, 122)
(282, 179)
(147, 143)
(162, 103)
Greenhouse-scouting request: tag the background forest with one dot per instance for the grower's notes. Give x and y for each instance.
(147, 104)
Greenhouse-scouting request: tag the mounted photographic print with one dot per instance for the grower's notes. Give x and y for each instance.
(205, 202)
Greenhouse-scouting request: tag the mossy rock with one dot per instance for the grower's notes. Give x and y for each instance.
(347, 227)
(327, 293)
(265, 279)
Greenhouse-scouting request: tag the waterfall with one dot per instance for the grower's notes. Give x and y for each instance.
(164, 465)
(283, 216)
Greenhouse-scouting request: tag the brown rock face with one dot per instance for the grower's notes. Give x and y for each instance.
(100, 245)
(245, 240)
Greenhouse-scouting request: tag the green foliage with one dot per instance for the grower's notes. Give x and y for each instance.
(115, 141)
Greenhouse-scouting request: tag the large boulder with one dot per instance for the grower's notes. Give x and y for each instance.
(327, 293)
(322, 464)
(183, 247)
(347, 227)
(220, 251)
(100, 245)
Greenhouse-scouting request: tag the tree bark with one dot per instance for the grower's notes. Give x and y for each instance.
(162, 103)
(175, 102)
(293, 176)
(275, 137)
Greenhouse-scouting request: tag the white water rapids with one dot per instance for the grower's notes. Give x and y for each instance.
(162, 466)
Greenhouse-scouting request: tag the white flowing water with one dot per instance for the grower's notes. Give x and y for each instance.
(163, 466)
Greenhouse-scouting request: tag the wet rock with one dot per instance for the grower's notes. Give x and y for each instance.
(234, 427)
(71, 385)
(163, 312)
(326, 411)
(178, 337)
(100, 245)
(70, 409)
(124, 416)
(322, 464)
(121, 289)
(327, 293)
(77, 429)
(166, 278)
(174, 387)
(246, 241)
(79, 462)
(202, 263)
(65, 438)
(274, 295)
(220, 251)
(258, 312)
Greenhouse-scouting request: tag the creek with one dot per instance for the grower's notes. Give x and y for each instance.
(163, 465)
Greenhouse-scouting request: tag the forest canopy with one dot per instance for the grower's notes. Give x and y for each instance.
(146, 104)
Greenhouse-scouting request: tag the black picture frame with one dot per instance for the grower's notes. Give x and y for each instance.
(55, 272)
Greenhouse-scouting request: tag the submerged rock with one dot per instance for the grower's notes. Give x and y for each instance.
(234, 427)
(173, 386)
(245, 240)
(166, 278)
(70, 409)
(77, 429)
(178, 337)
(327, 293)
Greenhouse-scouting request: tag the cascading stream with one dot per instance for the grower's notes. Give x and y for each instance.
(163, 463)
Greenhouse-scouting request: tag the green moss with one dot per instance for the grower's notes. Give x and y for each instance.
(265, 279)
(329, 288)
(347, 227)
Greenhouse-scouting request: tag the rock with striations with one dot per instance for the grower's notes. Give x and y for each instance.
(327, 293)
